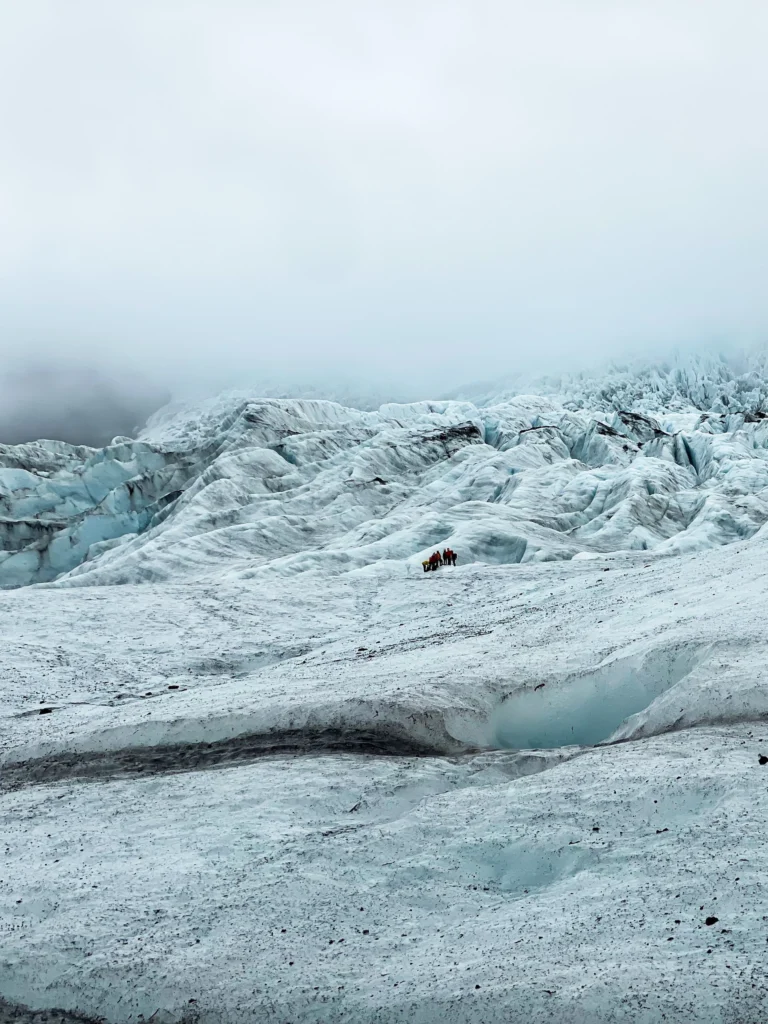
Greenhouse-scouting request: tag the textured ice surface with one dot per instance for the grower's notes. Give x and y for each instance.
(280, 774)
(242, 486)
(188, 795)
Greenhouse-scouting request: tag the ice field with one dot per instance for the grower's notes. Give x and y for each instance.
(258, 767)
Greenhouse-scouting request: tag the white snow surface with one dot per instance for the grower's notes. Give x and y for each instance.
(281, 774)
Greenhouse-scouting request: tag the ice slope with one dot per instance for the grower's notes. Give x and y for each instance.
(243, 487)
(263, 801)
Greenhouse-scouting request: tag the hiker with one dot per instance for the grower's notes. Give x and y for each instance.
(433, 560)
(446, 556)
(453, 557)
(425, 565)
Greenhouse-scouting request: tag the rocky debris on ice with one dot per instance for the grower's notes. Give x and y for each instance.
(376, 890)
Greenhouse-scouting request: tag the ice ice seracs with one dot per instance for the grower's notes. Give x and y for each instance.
(242, 486)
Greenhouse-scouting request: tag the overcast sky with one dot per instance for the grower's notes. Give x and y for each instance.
(209, 189)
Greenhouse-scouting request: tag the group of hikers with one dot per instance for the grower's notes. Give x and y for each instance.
(448, 557)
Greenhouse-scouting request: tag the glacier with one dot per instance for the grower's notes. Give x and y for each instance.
(257, 766)
(243, 486)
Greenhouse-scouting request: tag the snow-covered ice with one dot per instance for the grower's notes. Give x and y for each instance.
(257, 766)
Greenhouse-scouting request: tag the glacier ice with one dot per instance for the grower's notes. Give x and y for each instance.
(255, 766)
(243, 486)
(591, 707)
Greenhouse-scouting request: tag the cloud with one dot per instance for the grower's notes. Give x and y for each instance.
(213, 191)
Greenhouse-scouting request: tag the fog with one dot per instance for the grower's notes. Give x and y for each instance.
(80, 404)
(210, 193)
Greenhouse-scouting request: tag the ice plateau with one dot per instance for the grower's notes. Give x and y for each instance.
(257, 766)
